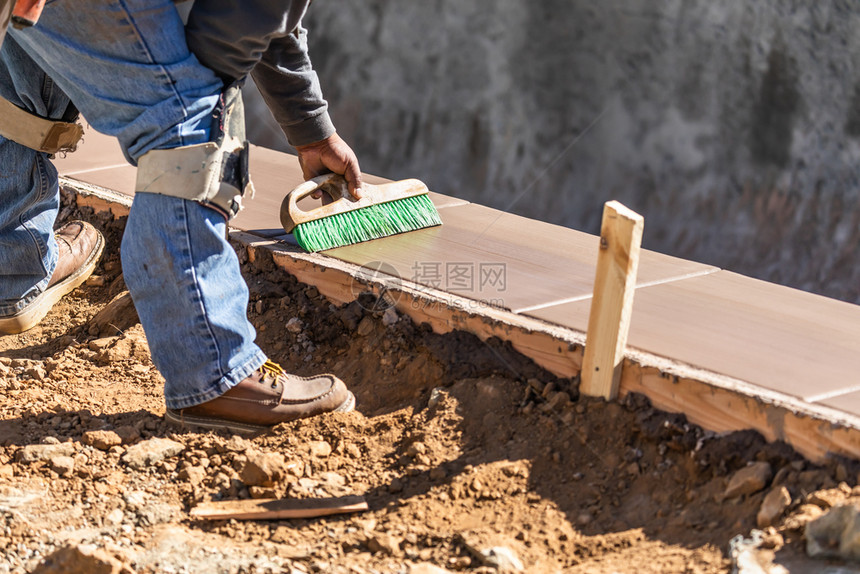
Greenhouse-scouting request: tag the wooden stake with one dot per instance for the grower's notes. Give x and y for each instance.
(612, 302)
(273, 508)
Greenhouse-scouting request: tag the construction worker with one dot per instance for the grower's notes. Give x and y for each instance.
(169, 93)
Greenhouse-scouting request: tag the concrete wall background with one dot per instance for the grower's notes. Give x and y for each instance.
(733, 127)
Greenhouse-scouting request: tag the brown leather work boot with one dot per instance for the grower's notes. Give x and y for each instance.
(80, 245)
(268, 397)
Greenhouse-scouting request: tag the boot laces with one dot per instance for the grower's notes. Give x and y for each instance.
(271, 370)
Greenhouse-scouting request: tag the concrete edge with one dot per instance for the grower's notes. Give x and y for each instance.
(716, 402)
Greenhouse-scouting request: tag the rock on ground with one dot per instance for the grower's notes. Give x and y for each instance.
(749, 479)
(101, 439)
(81, 560)
(502, 559)
(263, 468)
(151, 451)
(62, 465)
(774, 504)
(835, 534)
(36, 452)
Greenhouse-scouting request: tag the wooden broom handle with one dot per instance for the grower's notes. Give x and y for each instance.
(335, 185)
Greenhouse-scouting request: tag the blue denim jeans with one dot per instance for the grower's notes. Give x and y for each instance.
(126, 66)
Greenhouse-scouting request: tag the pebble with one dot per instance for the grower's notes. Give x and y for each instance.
(295, 325)
(320, 448)
(101, 439)
(296, 468)
(549, 388)
(127, 433)
(389, 317)
(6, 471)
(395, 486)
(558, 401)
(194, 475)
(749, 479)
(115, 517)
(436, 396)
(438, 473)
(237, 444)
(835, 534)
(353, 450)
(263, 469)
(502, 558)
(35, 452)
(100, 344)
(80, 559)
(149, 452)
(774, 504)
(365, 327)
(95, 281)
(383, 542)
(262, 492)
(36, 372)
(135, 499)
(333, 479)
(63, 465)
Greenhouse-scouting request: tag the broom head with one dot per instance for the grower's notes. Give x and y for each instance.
(383, 210)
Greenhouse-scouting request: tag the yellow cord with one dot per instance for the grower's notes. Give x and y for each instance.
(272, 368)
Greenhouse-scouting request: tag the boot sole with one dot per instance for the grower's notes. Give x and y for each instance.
(30, 316)
(238, 427)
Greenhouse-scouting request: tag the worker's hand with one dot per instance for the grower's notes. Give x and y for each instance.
(331, 155)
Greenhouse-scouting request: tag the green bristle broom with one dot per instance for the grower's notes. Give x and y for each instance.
(383, 210)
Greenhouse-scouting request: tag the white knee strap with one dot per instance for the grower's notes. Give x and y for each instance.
(214, 173)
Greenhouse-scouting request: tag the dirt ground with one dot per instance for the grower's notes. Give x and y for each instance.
(459, 447)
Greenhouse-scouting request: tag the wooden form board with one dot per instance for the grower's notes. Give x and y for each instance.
(693, 319)
(612, 302)
(276, 509)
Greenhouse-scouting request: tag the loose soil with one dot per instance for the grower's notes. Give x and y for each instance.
(458, 445)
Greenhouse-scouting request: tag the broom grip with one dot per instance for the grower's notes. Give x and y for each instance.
(336, 187)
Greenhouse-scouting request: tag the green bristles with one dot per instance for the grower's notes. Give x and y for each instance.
(372, 222)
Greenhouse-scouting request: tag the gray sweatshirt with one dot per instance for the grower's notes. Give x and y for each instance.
(264, 38)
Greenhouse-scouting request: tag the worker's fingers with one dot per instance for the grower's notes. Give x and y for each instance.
(310, 164)
(331, 154)
(352, 173)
